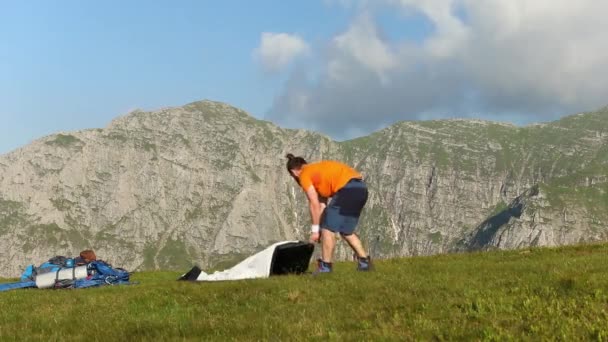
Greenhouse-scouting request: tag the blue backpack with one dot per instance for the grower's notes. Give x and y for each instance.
(102, 273)
(53, 265)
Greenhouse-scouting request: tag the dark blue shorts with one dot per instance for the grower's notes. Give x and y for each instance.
(343, 211)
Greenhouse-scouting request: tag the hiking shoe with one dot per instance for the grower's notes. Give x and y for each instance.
(364, 264)
(323, 267)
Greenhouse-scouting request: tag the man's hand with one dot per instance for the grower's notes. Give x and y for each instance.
(315, 237)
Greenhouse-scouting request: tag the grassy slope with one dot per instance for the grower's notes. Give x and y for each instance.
(527, 294)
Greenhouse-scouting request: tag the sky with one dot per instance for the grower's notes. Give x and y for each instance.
(341, 67)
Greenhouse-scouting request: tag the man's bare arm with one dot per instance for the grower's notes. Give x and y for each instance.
(315, 205)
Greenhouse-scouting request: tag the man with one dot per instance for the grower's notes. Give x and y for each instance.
(348, 194)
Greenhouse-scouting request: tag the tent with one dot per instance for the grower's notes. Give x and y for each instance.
(18, 285)
(287, 257)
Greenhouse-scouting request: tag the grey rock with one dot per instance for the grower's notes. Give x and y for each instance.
(206, 183)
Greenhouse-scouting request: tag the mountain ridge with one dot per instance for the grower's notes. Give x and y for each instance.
(205, 183)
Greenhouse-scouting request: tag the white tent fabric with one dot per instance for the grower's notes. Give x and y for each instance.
(256, 266)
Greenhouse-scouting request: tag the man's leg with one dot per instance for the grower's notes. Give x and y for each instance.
(328, 242)
(363, 259)
(355, 243)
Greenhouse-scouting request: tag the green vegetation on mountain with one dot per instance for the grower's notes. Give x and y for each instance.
(64, 140)
(215, 177)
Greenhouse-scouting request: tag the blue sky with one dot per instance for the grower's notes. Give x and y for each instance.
(78, 64)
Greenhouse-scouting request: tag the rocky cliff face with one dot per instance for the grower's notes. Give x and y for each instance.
(206, 183)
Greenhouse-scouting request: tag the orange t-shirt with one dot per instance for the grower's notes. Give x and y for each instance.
(326, 176)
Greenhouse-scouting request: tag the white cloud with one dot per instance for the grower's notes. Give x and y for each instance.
(536, 59)
(451, 32)
(278, 50)
(360, 45)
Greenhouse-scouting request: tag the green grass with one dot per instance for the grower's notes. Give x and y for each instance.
(533, 294)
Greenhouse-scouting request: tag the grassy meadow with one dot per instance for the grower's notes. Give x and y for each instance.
(531, 294)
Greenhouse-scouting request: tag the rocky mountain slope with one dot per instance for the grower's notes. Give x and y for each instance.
(206, 183)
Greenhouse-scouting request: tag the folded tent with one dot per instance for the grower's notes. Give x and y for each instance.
(286, 257)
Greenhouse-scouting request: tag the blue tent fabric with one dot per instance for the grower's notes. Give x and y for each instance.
(30, 272)
(19, 285)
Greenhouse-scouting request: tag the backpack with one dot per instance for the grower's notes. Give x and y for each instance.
(54, 264)
(104, 274)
